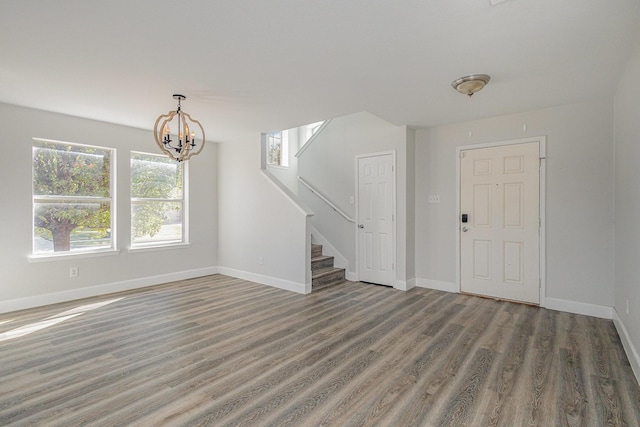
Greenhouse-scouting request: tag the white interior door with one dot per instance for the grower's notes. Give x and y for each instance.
(500, 240)
(375, 219)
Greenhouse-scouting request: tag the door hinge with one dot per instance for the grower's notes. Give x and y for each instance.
(461, 155)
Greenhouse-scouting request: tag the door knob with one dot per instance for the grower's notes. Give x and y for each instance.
(360, 225)
(465, 229)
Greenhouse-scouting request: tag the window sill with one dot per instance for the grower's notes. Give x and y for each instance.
(269, 165)
(67, 255)
(158, 247)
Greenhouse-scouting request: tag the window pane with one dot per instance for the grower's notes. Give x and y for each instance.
(156, 222)
(71, 197)
(155, 177)
(71, 226)
(274, 148)
(156, 181)
(70, 170)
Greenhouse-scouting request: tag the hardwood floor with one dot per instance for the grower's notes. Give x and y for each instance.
(222, 351)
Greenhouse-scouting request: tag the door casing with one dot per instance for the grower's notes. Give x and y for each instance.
(542, 141)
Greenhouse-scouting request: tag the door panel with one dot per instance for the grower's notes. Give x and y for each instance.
(482, 205)
(482, 259)
(500, 193)
(375, 219)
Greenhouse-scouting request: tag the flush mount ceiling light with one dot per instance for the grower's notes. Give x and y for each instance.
(184, 144)
(470, 84)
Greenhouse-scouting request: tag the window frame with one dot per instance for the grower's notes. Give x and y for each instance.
(82, 253)
(284, 149)
(160, 245)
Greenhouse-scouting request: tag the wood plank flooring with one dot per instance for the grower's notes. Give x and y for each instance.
(218, 351)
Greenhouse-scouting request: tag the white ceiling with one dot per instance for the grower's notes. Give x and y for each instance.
(250, 66)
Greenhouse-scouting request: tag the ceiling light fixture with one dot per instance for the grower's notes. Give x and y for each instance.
(182, 146)
(471, 84)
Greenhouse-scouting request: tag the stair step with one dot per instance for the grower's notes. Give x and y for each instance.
(320, 262)
(316, 250)
(326, 277)
(323, 271)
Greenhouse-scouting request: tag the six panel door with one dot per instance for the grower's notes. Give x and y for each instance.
(375, 219)
(500, 243)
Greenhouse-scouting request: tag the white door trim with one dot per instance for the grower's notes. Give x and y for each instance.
(394, 210)
(542, 141)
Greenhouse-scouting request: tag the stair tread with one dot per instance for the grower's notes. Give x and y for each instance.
(317, 287)
(321, 258)
(316, 250)
(321, 272)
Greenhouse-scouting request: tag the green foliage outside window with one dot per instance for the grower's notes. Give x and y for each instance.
(274, 147)
(71, 190)
(157, 197)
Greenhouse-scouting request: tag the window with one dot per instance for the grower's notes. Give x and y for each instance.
(157, 200)
(311, 129)
(278, 148)
(72, 197)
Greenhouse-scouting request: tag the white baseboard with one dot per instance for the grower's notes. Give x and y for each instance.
(594, 310)
(437, 285)
(350, 276)
(108, 288)
(587, 309)
(629, 348)
(287, 285)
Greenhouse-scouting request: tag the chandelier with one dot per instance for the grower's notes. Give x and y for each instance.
(182, 145)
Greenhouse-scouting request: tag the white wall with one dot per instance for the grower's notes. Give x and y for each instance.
(24, 284)
(328, 164)
(579, 196)
(259, 223)
(627, 209)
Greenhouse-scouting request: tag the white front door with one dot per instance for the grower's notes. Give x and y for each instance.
(500, 241)
(375, 219)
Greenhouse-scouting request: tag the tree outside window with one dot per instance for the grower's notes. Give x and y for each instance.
(72, 197)
(274, 148)
(157, 200)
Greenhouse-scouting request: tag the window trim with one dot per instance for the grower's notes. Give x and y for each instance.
(68, 255)
(284, 149)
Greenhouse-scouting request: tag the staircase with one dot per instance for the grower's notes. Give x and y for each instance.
(323, 272)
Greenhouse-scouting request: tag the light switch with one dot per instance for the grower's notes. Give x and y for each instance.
(434, 199)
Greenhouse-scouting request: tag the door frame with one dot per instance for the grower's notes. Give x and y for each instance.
(393, 208)
(542, 152)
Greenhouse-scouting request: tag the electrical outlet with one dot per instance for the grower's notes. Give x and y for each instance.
(627, 305)
(260, 260)
(73, 272)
